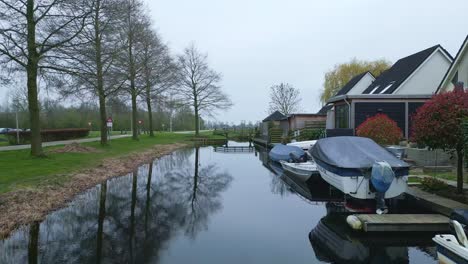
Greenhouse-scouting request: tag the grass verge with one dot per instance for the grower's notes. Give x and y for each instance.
(19, 170)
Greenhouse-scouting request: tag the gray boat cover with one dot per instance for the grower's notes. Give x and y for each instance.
(353, 153)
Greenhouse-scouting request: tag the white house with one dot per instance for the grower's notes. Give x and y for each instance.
(457, 74)
(397, 92)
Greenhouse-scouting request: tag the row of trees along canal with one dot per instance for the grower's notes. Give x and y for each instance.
(98, 49)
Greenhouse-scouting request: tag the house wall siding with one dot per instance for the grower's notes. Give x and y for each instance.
(395, 111)
(462, 68)
(412, 108)
(427, 78)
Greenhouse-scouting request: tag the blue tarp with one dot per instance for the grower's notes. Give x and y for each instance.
(282, 152)
(353, 153)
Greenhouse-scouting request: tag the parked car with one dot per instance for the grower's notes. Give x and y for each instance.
(7, 130)
(3, 130)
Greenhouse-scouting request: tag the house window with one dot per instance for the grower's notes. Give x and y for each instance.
(387, 87)
(341, 116)
(375, 89)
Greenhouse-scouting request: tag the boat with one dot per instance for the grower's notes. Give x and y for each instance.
(305, 145)
(288, 153)
(450, 248)
(303, 170)
(360, 168)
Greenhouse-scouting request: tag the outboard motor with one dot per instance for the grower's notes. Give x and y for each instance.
(381, 177)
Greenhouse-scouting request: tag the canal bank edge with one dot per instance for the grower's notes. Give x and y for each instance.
(23, 207)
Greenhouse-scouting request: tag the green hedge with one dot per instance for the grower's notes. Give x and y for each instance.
(48, 135)
(311, 134)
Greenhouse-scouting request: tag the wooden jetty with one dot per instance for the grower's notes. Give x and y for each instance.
(237, 149)
(401, 222)
(262, 142)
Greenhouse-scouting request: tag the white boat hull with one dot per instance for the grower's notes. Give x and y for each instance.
(359, 187)
(305, 145)
(302, 170)
(449, 250)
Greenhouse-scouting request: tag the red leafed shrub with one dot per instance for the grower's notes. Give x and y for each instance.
(438, 123)
(380, 128)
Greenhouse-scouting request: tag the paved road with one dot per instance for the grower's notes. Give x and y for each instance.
(190, 132)
(55, 143)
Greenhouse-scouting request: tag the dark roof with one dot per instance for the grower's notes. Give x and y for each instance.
(453, 64)
(349, 85)
(401, 70)
(275, 116)
(324, 109)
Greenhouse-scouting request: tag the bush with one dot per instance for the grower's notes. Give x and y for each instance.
(311, 134)
(433, 184)
(381, 129)
(49, 135)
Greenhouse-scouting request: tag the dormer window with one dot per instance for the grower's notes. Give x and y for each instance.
(387, 87)
(375, 89)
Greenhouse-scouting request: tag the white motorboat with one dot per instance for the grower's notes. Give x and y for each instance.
(305, 145)
(301, 169)
(450, 248)
(359, 167)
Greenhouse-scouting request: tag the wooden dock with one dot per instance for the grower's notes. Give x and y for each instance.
(403, 222)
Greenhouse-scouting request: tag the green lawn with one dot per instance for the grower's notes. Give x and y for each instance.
(19, 170)
(442, 175)
(3, 141)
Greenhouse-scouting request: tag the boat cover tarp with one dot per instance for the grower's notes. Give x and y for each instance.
(353, 153)
(282, 152)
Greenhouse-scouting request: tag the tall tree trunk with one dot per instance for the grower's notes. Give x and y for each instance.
(197, 123)
(103, 118)
(150, 113)
(99, 74)
(134, 114)
(32, 69)
(460, 170)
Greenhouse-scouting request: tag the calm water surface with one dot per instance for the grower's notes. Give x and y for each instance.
(201, 206)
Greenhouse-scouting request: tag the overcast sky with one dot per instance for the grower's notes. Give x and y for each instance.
(258, 43)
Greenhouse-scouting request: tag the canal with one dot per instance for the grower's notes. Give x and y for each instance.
(201, 206)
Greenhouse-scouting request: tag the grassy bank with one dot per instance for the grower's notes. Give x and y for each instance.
(19, 170)
(441, 175)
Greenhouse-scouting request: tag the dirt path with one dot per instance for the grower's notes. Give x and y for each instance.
(26, 206)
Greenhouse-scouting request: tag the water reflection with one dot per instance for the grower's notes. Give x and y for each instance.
(128, 219)
(333, 242)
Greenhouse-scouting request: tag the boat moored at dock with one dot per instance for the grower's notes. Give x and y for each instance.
(359, 167)
(283, 152)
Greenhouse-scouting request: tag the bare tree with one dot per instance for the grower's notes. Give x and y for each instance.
(90, 58)
(199, 85)
(284, 98)
(29, 31)
(158, 73)
(134, 21)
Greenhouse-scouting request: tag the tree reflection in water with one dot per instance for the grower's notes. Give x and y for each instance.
(198, 190)
(128, 219)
